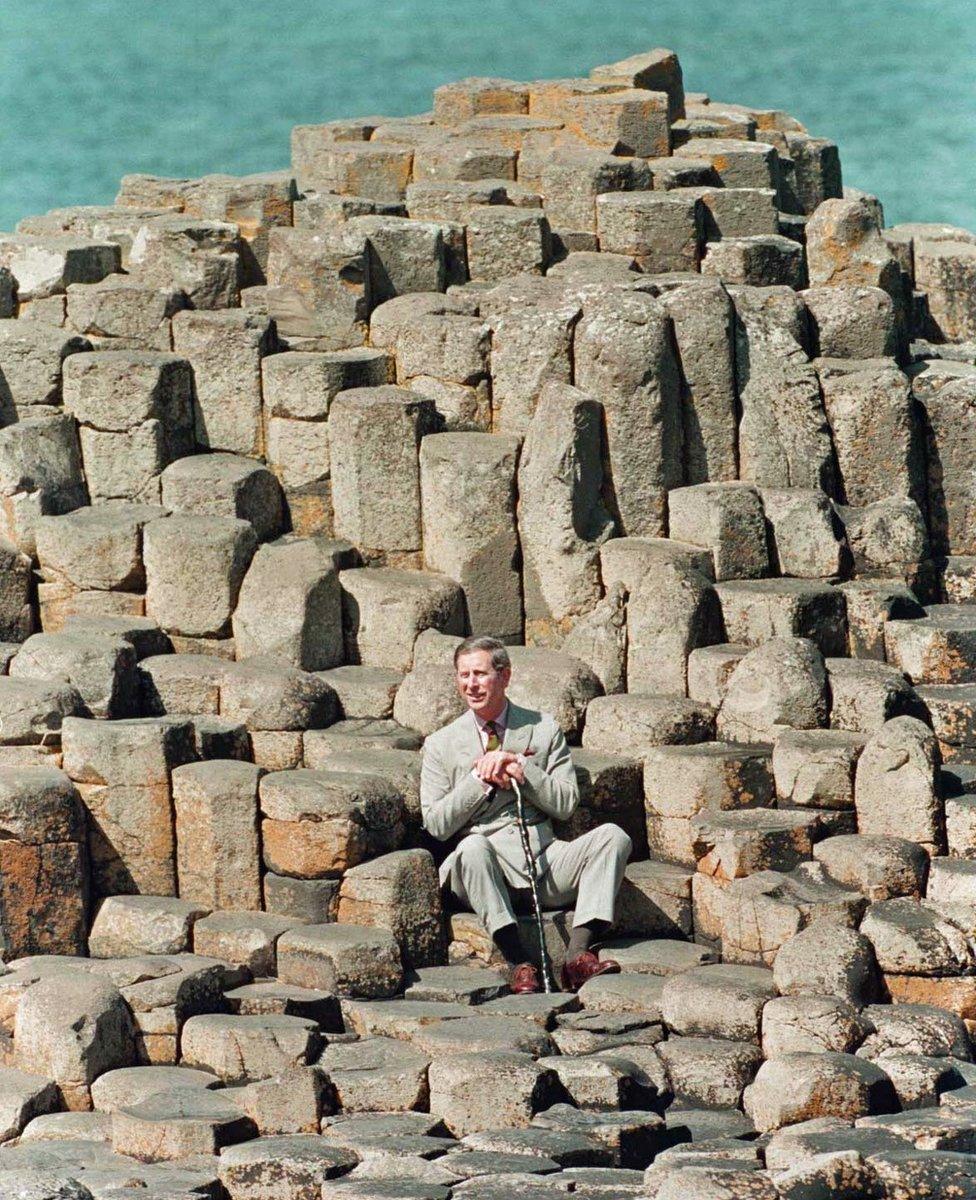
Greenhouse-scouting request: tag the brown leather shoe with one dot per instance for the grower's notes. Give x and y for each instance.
(576, 971)
(525, 980)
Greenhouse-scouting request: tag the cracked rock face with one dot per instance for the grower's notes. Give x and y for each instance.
(617, 374)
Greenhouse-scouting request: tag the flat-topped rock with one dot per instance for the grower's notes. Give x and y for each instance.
(178, 1125)
(345, 959)
(455, 984)
(377, 1071)
(938, 648)
(717, 1001)
(626, 724)
(294, 1165)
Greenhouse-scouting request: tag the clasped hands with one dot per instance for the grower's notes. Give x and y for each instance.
(499, 767)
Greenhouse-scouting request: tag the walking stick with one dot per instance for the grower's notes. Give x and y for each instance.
(548, 979)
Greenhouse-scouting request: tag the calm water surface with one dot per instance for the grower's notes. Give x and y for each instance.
(92, 89)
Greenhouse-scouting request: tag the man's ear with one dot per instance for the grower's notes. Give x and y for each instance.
(506, 674)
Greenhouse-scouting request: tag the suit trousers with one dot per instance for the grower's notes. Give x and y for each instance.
(586, 871)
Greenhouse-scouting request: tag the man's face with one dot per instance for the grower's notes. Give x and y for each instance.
(482, 687)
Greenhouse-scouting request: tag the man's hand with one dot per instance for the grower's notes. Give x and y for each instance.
(498, 768)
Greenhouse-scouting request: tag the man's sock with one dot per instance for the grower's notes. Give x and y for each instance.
(582, 935)
(508, 941)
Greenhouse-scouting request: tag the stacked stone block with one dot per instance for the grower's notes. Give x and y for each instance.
(624, 376)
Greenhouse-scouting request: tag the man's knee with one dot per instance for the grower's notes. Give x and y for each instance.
(474, 852)
(613, 840)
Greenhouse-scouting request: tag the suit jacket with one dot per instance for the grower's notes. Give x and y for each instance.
(453, 801)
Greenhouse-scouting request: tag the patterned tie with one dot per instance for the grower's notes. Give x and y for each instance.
(493, 742)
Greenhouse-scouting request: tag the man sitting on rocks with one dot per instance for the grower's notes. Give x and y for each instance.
(466, 789)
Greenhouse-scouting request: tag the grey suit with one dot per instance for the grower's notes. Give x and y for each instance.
(489, 858)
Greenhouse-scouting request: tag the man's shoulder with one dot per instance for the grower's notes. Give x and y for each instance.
(519, 715)
(447, 732)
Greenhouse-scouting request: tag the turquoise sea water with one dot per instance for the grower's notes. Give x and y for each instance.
(92, 89)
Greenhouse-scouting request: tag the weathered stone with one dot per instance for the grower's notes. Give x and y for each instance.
(717, 1001)
(756, 610)
(641, 398)
(197, 257)
(225, 485)
(132, 925)
(241, 1048)
(344, 959)
(98, 547)
(865, 695)
(216, 807)
(780, 683)
(824, 960)
(784, 437)
(852, 322)
(654, 900)
(939, 648)
(633, 1138)
(810, 1025)
(761, 260)
(800, 1087)
(732, 845)
(944, 270)
(757, 915)
(561, 518)
(878, 866)
(226, 349)
(661, 231)
(182, 683)
(913, 938)
(43, 864)
(845, 247)
(318, 293)
(283, 1166)
(628, 724)
(40, 475)
(599, 639)
(377, 1072)
(709, 671)
(814, 768)
(131, 1085)
(194, 569)
(23, 1097)
(32, 710)
(467, 487)
(471, 1092)
(398, 892)
(807, 538)
(289, 605)
(125, 446)
(900, 761)
(71, 1027)
(364, 691)
(383, 610)
(914, 1029)
(124, 311)
(501, 241)
(316, 824)
(45, 265)
(669, 615)
(178, 1125)
(629, 560)
(100, 668)
(709, 1072)
(682, 781)
(875, 435)
(531, 347)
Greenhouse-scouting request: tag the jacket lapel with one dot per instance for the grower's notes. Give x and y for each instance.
(518, 732)
(469, 740)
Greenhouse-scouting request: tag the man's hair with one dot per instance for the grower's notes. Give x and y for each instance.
(498, 651)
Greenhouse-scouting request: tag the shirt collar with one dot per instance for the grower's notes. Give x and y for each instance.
(500, 722)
